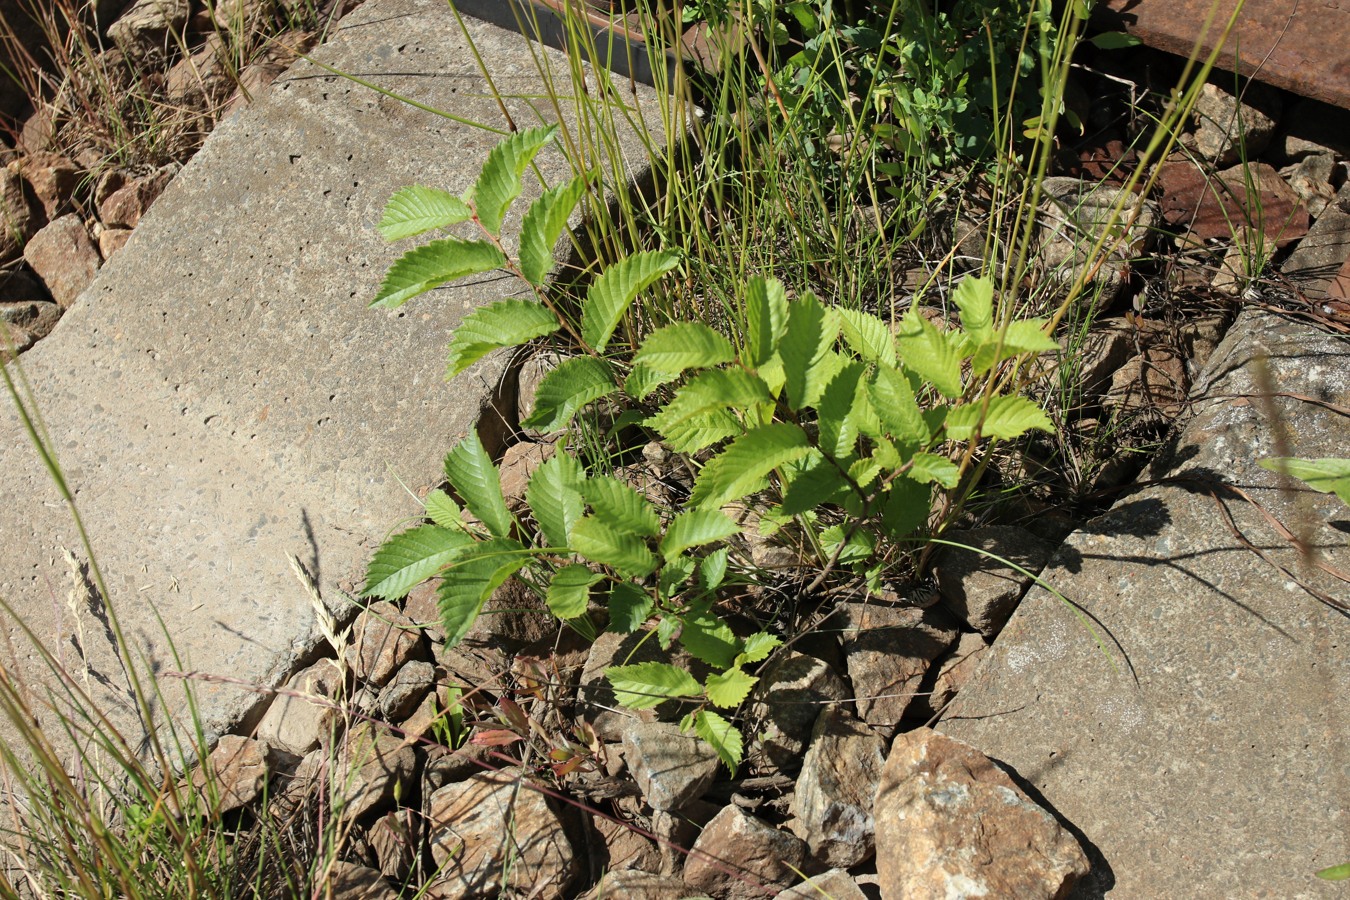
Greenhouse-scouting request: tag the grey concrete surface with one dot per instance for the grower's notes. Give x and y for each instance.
(1204, 752)
(221, 395)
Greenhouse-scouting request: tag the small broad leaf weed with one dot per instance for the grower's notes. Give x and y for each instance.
(847, 422)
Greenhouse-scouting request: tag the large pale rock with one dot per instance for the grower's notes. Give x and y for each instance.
(889, 649)
(492, 832)
(672, 768)
(65, 257)
(738, 855)
(981, 591)
(951, 823)
(791, 693)
(305, 713)
(833, 800)
(1195, 730)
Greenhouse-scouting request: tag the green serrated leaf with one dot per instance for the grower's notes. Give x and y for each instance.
(629, 607)
(744, 466)
(470, 581)
(730, 688)
(930, 468)
(864, 471)
(811, 482)
(757, 648)
(892, 397)
(684, 345)
(642, 381)
(432, 265)
(708, 393)
(649, 684)
(1026, 336)
(474, 477)
(709, 639)
(569, 591)
(1329, 476)
(1114, 40)
(567, 389)
(442, 510)
(867, 336)
(543, 225)
(416, 210)
(905, 508)
(810, 335)
(622, 551)
(722, 736)
(499, 182)
(666, 629)
(554, 496)
(506, 323)
(702, 431)
(765, 319)
(411, 557)
(714, 568)
(694, 528)
(674, 574)
(932, 354)
(615, 290)
(621, 507)
(838, 433)
(1007, 417)
(974, 297)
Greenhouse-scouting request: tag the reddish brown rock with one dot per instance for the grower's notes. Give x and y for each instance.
(20, 213)
(395, 839)
(64, 256)
(833, 799)
(954, 670)
(948, 819)
(348, 881)
(738, 855)
(1252, 196)
(239, 772)
(377, 767)
(383, 639)
(304, 714)
(124, 207)
(24, 323)
(53, 179)
(491, 833)
(518, 464)
(888, 650)
(110, 240)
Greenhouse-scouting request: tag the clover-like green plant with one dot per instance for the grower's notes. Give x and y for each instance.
(829, 410)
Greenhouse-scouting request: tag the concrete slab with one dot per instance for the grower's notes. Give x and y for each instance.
(1204, 754)
(221, 395)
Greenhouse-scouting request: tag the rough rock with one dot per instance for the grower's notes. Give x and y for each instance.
(518, 464)
(349, 881)
(1251, 196)
(53, 179)
(383, 639)
(110, 240)
(1311, 128)
(836, 884)
(456, 765)
(401, 696)
(492, 832)
(298, 724)
(1233, 128)
(1209, 682)
(634, 885)
(395, 838)
(948, 818)
(625, 848)
(37, 132)
(124, 207)
(672, 768)
(981, 591)
(64, 256)
(785, 704)
(256, 78)
(145, 26)
(421, 606)
(1153, 384)
(376, 768)
(26, 322)
(1312, 179)
(1104, 350)
(954, 670)
(18, 286)
(833, 800)
(531, 375)
(889, 650)
(738, 853)
(1316, 259)
(20, 213)
(1074, 215)
(201, 78)
(239, 772)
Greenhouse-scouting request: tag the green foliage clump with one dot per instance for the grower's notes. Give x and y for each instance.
(834, 412)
